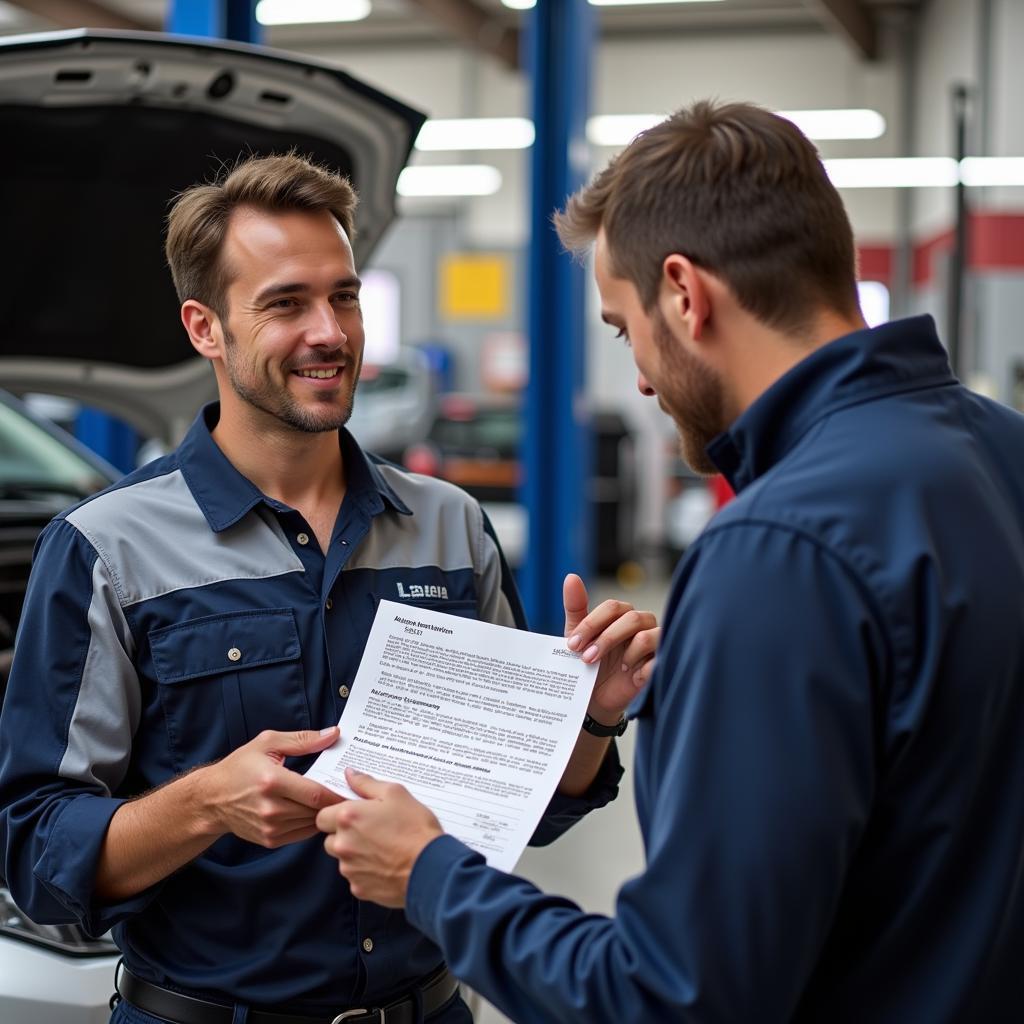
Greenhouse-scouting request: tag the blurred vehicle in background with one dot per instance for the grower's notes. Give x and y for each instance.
(394, 405)
(42, 471)
(48, 973)
(475, 442)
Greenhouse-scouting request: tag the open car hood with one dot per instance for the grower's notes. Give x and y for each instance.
(101, 129)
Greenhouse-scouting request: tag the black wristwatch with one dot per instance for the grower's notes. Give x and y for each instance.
(595, 728)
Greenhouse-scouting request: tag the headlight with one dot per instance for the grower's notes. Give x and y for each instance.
(68, 939)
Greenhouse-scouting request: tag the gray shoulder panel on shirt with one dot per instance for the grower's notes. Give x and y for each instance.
(446, 530)
(442, 531)
(154, 539)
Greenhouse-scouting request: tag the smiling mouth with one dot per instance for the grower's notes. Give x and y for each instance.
(319, 374)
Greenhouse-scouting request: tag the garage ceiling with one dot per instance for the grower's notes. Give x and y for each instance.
(492, 27)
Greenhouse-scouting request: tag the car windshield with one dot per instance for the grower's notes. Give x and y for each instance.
(33, 463)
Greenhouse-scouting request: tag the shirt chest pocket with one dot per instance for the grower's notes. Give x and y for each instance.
(223, 679)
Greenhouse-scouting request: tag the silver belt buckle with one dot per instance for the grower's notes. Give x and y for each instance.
(349, 1014)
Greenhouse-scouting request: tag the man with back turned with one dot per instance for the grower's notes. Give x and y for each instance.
(829, 766)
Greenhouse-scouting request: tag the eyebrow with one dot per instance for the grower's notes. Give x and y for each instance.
(275, 291)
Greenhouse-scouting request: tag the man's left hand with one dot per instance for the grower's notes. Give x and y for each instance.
(376, 840)
(624, 639)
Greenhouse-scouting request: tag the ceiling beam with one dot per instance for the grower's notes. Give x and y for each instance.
(81, 14)
(468, 21)
(853, 21)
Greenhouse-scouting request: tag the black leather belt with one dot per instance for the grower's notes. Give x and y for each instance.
(181, 1009)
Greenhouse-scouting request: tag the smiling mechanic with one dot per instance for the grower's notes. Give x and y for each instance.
(188, 630)
(829, 760)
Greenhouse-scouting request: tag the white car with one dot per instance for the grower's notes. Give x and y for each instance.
(48, 974)
(394, 405)
(102, 128)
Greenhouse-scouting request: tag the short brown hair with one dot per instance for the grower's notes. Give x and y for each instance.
(198, 221)
(740, 192)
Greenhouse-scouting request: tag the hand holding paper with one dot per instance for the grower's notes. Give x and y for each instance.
(477, 721)
(378, 838)
(620, 637)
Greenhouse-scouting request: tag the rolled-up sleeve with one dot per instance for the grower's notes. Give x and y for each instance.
(70, 711)
(756, 770)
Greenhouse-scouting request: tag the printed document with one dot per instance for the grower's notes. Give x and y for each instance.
(477, 721)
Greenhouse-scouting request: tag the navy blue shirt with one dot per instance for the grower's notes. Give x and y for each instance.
(171, 619)
(829, 761)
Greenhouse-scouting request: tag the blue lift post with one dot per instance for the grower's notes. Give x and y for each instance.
(108, 437)
(216, 19)
(557, 450)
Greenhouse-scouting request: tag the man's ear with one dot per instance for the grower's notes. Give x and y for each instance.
(203, 326)
(687, 293)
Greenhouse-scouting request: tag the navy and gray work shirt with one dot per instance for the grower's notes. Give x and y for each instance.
(830, 756)
(169, 620)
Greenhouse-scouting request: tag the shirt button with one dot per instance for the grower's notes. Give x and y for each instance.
(303, 539)
(234, 654)
(344, 543)
(343, 691)
(368, 945)
(328, 604)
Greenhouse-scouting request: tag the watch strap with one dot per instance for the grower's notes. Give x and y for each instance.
(596, 728)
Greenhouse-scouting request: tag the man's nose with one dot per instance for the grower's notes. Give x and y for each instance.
(644, 386)
(323, 328)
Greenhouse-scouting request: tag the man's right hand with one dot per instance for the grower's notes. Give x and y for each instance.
(251, 794)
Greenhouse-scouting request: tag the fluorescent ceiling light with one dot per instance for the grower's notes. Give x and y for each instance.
(307, 12)
(472, 133)
(451, 180)
(619, 129)
(520, 5)
(476, 133)
(992, 170)
(893, 172)
(854, 123)
(926, 172)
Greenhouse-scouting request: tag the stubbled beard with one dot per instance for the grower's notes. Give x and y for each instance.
(692, 394)
(278, 402)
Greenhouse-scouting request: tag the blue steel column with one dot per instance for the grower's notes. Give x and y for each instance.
(557, 448)
(218, 19)
(108, 437)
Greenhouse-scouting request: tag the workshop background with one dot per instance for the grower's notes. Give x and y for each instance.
(487, 362)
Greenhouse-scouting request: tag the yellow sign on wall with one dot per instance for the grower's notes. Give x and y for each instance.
(474, 286)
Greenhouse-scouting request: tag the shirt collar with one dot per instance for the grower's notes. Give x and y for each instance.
(224, 495)
(900, 356)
